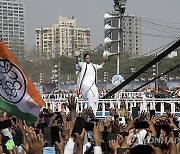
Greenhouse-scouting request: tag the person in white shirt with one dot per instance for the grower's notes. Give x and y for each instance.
(86, 81)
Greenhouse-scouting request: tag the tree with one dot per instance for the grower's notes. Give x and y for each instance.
(34, 68)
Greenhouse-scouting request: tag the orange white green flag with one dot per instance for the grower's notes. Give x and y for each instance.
(18, 96)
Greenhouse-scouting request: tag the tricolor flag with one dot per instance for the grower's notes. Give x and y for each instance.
(18, 95)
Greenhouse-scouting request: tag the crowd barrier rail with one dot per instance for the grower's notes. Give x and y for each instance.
(160, 105)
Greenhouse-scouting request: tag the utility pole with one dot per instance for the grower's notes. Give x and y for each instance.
(157, 74)
(56, 76)
(59, 73)
(119, 7)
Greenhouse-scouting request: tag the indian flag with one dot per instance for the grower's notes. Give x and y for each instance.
(18, 96)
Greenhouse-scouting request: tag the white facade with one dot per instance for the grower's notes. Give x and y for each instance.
(12, 25)
(62, 38)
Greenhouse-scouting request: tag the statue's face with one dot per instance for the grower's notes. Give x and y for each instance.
(88, 59)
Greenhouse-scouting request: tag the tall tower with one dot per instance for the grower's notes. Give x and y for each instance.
(12, 26)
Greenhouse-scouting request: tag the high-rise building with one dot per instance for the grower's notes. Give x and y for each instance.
(62, 38)
(12, 26)
(131, 35)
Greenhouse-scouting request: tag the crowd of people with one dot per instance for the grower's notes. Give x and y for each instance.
(78, 133)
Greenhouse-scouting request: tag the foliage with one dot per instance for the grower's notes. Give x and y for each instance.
(33, 68)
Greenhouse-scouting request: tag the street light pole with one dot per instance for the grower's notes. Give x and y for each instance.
(56, 76)
(119, 37)
(59, 73)
(119, 6)
(41, 77)
(133, 71)
(157, 73)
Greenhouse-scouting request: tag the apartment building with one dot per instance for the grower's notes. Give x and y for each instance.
(62, 38)
(131, 38)
(12, 26)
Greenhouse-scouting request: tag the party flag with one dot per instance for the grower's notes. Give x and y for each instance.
(18, 96)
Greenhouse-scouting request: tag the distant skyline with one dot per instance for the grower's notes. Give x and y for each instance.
(90, 13)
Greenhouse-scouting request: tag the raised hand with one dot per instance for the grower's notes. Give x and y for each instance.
(22, 127)
(120, 139)
(77, 53)
(14, 150)
(96, 135)
(87, 112)
(1, 149)
(71, 103)
(52, 120)
(38, 121)
(151, 128)
(171, 115)
(114, 145)
(118, 127)
(107, 121)
(66, 130)
(60, 145)
(112, 112)
(172, 124)
(156, 150)
(72, 107)
(101, 126)
(80, 138)
(35, 142)
(130, 124)
(79, 141)
(153, 119)
(143, 115)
